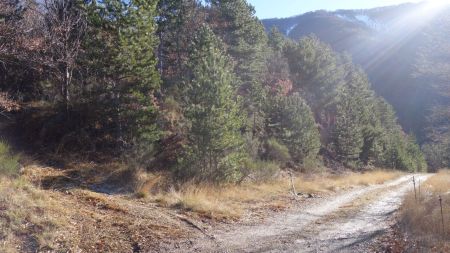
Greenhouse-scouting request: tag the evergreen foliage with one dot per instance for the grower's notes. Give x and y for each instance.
(291, 121)
(276, 151)
(214, 148)
(315, 70)
(234, 21)
(121, 42)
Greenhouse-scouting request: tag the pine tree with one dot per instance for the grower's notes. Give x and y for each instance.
(292, 123)
(137, 43)
(277, 76)
(276, 40)
(176, 20)
(315, 70)
(214, 148)
(348, 131)
(235, 22)
(121, 50)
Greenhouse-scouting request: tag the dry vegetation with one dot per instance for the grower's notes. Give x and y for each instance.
(231, 202)
(24, 220)
(59, 211)
(50, 209)
(421, 220)
(75, 219)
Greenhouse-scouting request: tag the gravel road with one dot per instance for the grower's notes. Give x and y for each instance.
(346, 222)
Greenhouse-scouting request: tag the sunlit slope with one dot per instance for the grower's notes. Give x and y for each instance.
(390, 43)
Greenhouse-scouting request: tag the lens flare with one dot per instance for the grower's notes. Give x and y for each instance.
(433, 6)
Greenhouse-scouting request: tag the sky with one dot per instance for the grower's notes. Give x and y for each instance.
(288, 8)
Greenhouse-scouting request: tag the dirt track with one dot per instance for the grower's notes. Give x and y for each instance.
(347, 222)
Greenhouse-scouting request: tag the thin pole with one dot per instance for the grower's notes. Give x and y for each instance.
(442, 216)
(293, 186)
(419, 189)
(415, 193)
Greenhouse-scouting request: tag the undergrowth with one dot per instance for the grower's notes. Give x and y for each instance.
(421, 218)
(9, 163)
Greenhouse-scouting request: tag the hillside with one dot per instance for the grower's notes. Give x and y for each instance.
(382, 40)
(189, 126)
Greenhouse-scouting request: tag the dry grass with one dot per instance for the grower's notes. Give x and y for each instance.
(24, 223)
(77, 220)
(225, 202)
(99, 201)
(422, 219)
(318, 183)
(231, 202)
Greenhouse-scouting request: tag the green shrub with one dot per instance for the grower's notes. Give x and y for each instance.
(9, 164)
(403, 153)
(312, 164)
(276, 151)
(260, 171)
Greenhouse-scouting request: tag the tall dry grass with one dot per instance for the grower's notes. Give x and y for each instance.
(321, 183)
(422, 218)
(24, 223)
(232, 201)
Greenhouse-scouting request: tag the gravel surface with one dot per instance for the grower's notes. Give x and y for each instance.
(346, 222)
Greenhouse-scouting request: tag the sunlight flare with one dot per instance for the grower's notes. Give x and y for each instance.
(433, 6)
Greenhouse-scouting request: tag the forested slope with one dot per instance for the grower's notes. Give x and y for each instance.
(404, 50)
(200, 91)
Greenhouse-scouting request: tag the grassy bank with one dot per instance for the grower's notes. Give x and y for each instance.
(24, 220)
(421, 220)
(231, 202)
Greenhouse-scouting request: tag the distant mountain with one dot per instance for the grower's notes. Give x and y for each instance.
(387, 42)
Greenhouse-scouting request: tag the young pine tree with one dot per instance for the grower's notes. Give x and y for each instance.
(176, 20)
(348, 134)
(214, 142)
(137, 41)
(235, 22)
(121, 52)
(292, 123)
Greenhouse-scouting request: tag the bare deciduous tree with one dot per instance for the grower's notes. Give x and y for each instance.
(65, 24)
(20, 31)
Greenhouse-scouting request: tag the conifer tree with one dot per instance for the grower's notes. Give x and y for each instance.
(315, 70)
(291, 121)
(214, 141)
(235, 22)
(348, 131)
(176, 20)
(277, 76)
(121, 44)
(137, 43)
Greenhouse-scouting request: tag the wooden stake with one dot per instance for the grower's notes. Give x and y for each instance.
(419, 189)
(415, 193)
(442, 216)
(293, 186)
